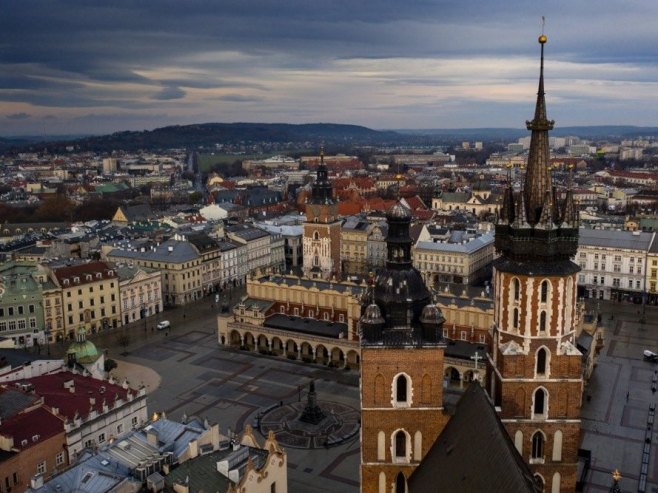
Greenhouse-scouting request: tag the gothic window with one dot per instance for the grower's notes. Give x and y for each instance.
(316, 261)
(541, 361)
(379, 390)
(381, 446)
(401, 389)
(517, 289)
(557, 446)
(400, 483)
(538, 445)
(544, 292)
(400, 445)
(540, 402)
(515, 318)
(418, 446)
(316, 235)
(542, 321)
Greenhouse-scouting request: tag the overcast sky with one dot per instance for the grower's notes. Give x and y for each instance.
(97, 66)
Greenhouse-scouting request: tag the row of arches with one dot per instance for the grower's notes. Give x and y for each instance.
(539, 405)
(399, 484)
(544, 290)
(305, 351)
(401, 449)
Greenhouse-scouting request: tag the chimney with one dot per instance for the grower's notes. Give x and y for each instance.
(152, 437)
(36, 482)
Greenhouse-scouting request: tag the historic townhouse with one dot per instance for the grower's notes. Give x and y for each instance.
(90, 296)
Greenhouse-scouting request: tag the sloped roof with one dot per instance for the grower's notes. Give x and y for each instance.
(473, 453)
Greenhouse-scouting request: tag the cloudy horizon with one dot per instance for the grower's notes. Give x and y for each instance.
(68, 67)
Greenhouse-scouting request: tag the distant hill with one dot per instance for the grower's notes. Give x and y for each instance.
(209, 134)
(592, 132)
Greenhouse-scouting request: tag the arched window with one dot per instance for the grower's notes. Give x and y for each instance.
(555, 488)
(544, 292)
(316, 235)
(518, 441)
(542, 321)
(557, 446)
(538, 445)
(418, 446)
(515, 318)
(381, 446)
(316, 261)
(539, 481)
(540, 402)
(401, 389)
(400, 483)
(541, 361)
(517, 289)
(401, 445)
(382, 482)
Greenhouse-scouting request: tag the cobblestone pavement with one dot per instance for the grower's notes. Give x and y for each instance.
(618, 397)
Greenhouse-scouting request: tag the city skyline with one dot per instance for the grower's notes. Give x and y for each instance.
(69, 67)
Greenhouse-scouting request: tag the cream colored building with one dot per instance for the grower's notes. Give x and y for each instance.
(180, 264)
(140, 292)
(454, 257)
(652, 272)
(299, 318)
(354, 246)
(90, 296)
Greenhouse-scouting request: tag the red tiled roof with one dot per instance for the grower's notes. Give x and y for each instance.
(80, 271)
(55, 395)
(29, 428)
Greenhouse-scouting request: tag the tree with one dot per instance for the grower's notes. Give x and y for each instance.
(110, 365)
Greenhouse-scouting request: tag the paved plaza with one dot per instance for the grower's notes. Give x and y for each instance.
(231, 387)
(615, 418)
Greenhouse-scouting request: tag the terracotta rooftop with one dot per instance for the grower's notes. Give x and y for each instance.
(30, 428)
(56, 395)
(84, 273)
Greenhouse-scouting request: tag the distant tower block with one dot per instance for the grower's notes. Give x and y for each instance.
(109, 165)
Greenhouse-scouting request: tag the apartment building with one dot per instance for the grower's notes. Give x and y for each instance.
(459, 257)
(89, 297)
(21, 304)
(140, 292)
(613, 264)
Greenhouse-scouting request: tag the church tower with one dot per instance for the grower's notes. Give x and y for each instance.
(537, 379)
(401, 367)
(321, 241)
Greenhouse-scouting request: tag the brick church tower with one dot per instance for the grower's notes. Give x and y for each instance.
(536, 368)
(401, 367)
(321, 241)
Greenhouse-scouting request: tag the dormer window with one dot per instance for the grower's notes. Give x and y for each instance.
(76, 280)
(66, 282)
(88, 277)
(99, 275)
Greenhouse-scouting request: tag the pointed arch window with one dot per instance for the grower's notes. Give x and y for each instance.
(539, 407)
(517, 289)
(401, 445)
(537, 445)
(544, 292)
(400, 483)
(515, 318)
(401, 389)
(316, 235)
(542, 357)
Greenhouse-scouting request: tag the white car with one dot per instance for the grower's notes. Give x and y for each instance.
(650, 356)
(163, 325)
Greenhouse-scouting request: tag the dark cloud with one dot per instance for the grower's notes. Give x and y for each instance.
(168, 93)
(139, 56)
(18, 116)
(238, 98)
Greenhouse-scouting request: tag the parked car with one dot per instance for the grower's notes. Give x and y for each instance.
(650, 356)
(163, 325)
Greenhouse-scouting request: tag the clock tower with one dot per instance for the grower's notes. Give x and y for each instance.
(321, 241)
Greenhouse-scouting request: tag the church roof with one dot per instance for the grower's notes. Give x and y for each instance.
(473, 453)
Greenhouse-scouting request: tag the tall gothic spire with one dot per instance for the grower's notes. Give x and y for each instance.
(322, 192)
(538, 175)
